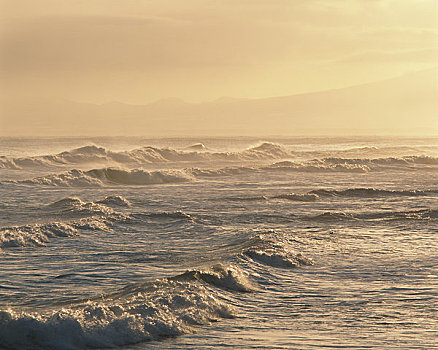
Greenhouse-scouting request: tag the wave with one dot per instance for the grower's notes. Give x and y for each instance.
(147, 311)
(265, 151)
(384, 151)
(89, 216)
(248, 198)
(144, 311)
(140, 177)
(92, 154)
(78, 215)
(39, 234)
(364, 165)
(372, 192)
(361, 192)
(271, 250)
(279, 258)
(226, 277)
(166, 308)
(117, 201)
(110, 176)
(100, 177)
(197, 147)
(317, 166)
(298, 197)
(175, 215)
(75, 206)
(421, 214)
(389, 161)
(333, 216)
(35, 235)
(227, 171)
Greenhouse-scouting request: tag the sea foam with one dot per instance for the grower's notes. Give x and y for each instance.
(165, 309)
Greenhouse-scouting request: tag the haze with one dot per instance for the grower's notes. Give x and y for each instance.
(64, 64)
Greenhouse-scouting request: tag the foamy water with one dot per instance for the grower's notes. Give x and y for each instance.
(218, 243)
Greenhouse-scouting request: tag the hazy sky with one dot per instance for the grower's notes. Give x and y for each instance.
(139, 51)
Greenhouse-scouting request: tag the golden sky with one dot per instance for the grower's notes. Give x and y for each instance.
(140, 51)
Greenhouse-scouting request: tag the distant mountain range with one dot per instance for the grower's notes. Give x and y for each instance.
(402, 105)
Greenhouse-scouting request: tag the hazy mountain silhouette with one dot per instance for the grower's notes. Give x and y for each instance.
(402, 105)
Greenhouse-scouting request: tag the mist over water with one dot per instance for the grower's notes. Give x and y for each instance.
(212, 243)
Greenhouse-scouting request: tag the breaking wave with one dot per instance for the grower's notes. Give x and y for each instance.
(356, 164)
(95, 155)
(36, 235)
(166, 308)
(279, 258)
(226, 277)
(110, 176)
(78, 215)
(318, 166)
(147, 311)
(117, 201)
(98, 155)
(141, 177)
(74, 206)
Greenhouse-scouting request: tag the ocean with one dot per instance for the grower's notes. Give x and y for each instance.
(219, 243)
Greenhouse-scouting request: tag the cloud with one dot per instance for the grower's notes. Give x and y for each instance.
(428, 55)
(84, 43)
(206, 48)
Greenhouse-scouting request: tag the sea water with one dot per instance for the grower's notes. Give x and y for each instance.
(218, 243)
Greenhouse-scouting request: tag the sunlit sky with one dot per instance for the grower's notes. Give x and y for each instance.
(140, 51)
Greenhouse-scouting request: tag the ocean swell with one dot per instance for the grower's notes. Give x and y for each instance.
(78, 215)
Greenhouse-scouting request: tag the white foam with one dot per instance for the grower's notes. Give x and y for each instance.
(34, 235)
(169, 308)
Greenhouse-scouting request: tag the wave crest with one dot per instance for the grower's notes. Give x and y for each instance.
(227, 277)
(118, 201)
(279, 258)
